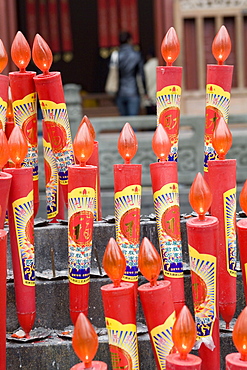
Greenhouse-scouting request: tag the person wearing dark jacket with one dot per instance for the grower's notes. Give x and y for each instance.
(130, 66)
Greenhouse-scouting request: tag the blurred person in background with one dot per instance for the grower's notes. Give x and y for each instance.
(150, 78)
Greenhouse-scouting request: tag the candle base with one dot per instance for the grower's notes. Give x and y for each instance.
(174, 362)
(233, 362)
(96, 365)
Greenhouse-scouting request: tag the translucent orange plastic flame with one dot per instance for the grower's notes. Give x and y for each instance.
(4, 149)
(243, 198)
(3, 57)
(161, 143)
(170, 46)
(89, 125)
(200, 196)
(221, 46)
(18, 146)
(85, 340)
(41, 53)
(83, 144)
(184, 332)
(149, 261)
(20, 51)
(9, 112)
(127, 143)
(239, 334)
(114, 262)
(222, 138)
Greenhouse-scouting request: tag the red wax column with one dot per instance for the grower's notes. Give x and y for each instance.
(81, 200)
(218, 88)
(233, 362)
(203, 242)
(159, 313)
(4, 85)
(120, 318)
(164, 178)
(94, 161)
(127, 188)
(25, 116)
(222, 182)
(51, 96)
(169, 80)
(21, 225)
(96, 365)
(5, 183)
(3, 264)
(54, 197)
(174, 362)
(242, 245)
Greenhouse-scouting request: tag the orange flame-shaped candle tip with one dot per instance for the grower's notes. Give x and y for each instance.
(83, 144)
(222, 138)
(221, 46)
(20, 51)
(9, 112)
(184, 332)
(3, 57)
(161, 143)
(200, 196)
(170, 46)
(18, 146)
(239, 334)
(89, 125)
(243, 198)
(42, 55)
(4, 149)
(127, 143)
(114, 262)
(149, 261)
(85, 340)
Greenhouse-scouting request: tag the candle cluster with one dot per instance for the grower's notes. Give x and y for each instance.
(72, 178)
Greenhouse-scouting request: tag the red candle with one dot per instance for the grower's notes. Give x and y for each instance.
(202, 233)
(169, 80)
(24, 100)
(164, 178)
(5, 178)
(242, 237)
(120, 312)
(4, 84)
(157, 304)
(184, 337)
(3, 262)
(127, 188)
(21, 224)
(94, 161)
(218, 88)
(51, 96)
(238, 361)
(222, 182)
(81, 200)
(54, 195)
(85, 343)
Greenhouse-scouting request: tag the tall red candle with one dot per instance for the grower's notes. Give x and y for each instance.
(54, 197)
(164, 178)
(21, 224)
(169, 81)
(4, 84)
(127, 189)
(218, 88)
(3, 273)
(184, 336)
(24, 99)
(157, 303)
(242, 237)
(120, 312)
(202, 233)
(222, 182)
(238, 361)
(81, 200)
(51, 96)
